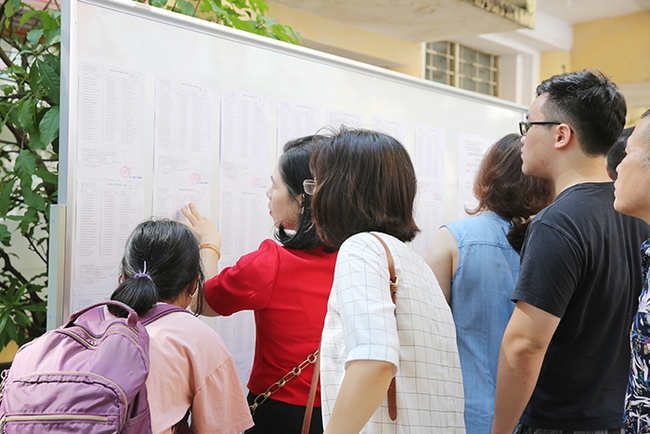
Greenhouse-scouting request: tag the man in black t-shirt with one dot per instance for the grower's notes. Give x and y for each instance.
(565, 353)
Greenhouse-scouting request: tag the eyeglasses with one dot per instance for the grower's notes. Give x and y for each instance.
(309, 185)
(525, 126)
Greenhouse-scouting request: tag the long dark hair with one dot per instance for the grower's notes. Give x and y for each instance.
(365, 181)
(503, 188)
(161, 259)
(294, 169)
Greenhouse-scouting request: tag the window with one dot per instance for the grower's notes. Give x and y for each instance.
(460, 66)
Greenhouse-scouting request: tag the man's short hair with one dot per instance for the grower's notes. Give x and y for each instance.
(590, 103)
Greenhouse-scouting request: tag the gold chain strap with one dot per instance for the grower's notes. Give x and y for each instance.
(293, 373)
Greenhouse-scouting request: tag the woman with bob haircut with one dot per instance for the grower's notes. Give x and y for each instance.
(365, 184)
(191, 369)
(476, 261)
(287, 285)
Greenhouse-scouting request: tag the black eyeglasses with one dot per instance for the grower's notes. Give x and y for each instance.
(525, 126)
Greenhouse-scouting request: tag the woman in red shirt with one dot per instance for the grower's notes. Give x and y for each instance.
(287, 285)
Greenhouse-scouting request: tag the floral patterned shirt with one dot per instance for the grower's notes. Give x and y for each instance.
(637, 398)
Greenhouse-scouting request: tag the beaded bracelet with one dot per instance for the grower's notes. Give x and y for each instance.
(212, 247)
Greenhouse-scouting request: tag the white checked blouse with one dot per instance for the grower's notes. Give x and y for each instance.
(360, 325)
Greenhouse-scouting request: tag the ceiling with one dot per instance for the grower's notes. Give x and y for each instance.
(411, 20)
(432, 20)
(578, 11)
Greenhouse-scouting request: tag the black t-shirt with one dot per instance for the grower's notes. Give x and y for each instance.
(581, 263)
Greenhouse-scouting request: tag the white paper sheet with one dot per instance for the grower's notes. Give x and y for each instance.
(428, 216)
(471, 150)
(111, 102)
(295, 121)
(107, 212)
(182, 148)
(393, 128)
(245, 127)
(110, 172)
(238, 333)
(110, 120)
(338, 118)
(244, 178)
(429, 169)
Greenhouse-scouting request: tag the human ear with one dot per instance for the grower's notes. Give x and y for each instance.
(564, 136)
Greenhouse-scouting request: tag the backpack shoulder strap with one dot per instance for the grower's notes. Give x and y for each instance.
(160, 310)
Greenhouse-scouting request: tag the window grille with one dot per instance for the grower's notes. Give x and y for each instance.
(460, 66)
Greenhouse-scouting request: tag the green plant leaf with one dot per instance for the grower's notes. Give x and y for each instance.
(26, 16)
(34, 36)
(266, 20)
(28, 220)
(18, 5)
(33, 199)
(20, 291)
(39, 307)
(22, 320)
(5, 235)
(46, 175)
(4, 316)
(10, 329)
(26, 113)
(5, 197)
(185, 7)
(52, 36)
(49, 80)
(25, 164)
(7, 89)
(259, 6)
(9, 12)
(35, 142)
(48, 19)
(49, 125)
(158, 3)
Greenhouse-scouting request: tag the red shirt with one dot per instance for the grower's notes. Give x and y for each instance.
(288, 289)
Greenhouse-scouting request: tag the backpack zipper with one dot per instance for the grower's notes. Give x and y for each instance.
(124, 331)
(3, 377)
(92, 374)
(71, 417)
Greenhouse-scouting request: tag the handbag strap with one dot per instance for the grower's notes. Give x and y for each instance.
(394, 281)
(306, 422)
(293, 373)
(392, 388)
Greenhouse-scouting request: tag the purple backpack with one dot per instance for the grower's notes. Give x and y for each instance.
(87, 376)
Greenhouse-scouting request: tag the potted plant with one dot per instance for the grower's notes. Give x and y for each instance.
(29, 143)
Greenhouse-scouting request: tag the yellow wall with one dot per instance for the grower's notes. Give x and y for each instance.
(619, 46)
(8, 353)
(554, 62)
(396, 54)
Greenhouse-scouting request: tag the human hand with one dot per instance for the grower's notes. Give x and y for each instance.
(202, 228)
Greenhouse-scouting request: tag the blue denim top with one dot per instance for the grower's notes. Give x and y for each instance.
(483, 282)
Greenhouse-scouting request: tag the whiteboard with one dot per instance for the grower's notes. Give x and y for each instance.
(153, 46)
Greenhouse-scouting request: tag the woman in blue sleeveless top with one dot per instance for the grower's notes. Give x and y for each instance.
(476, 262)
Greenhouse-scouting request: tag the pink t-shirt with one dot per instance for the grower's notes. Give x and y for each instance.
(191, 367)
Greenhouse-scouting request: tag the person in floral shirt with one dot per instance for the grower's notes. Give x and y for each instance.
(633, 200)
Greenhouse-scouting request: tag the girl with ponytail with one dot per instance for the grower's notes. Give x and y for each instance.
(191, 369)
